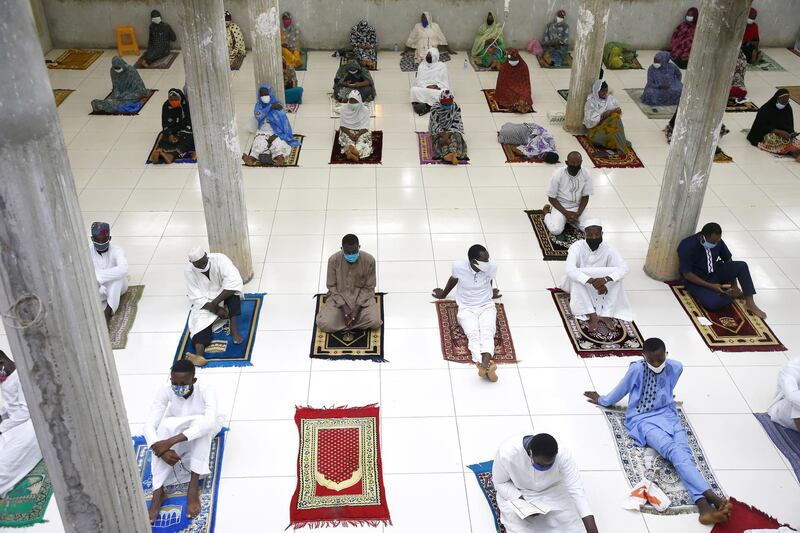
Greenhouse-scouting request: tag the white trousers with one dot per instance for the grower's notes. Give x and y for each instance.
(556, 221)
(19, 453)
(585, 300)
(194, 454)
(112, 291)
(784, 412)
(425, 95)
(479, 325)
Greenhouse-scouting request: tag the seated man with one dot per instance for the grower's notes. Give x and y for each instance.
(127, 88)
(785, 409)
(110, 268)
(274, 140)
(707, 267)
(353, 75)
(19, 449)
(555, 43)
(432, 78)
(529, 141)
(513, 89)
(179, 430)
(535, 469)
(236, 47)
(568, 195)
(594, 274)
(477, 314)
(350, 302)
(447, 130)
(214, 287)
(161, 34)
(426, 34)
(652, 420)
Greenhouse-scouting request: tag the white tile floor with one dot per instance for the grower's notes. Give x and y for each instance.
(438, 417)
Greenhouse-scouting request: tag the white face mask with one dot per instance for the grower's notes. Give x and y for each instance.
(483, 266)
(265, 99)
(689, 18)
(156, 20)
(656, 65)
(118, 70)
(779, 105)
(750, 21)
(559, 19)
(513, 63)
(656, 369)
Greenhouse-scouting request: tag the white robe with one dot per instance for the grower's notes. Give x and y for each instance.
(786, 405)
(560, 488)
(111, 271)
(434, 73)
(423, 39)
(582, 264)
(19, 449)
(200, 289)
(197, 418)
(261, 143)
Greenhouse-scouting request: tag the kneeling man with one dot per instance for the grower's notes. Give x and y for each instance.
(110, 268)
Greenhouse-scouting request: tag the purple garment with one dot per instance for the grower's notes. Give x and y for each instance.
(669, 74)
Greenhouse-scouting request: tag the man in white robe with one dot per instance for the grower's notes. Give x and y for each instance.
(594, 274)
(425, 34)
(110, 268)
(19, 449)
(785, 409)
(432, 78)
(179, 430)
(568, 195)
(215, 288)
(536, 469)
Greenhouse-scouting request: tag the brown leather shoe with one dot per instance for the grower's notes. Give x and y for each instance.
(491, 372)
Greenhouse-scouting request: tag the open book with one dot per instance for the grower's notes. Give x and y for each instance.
(524, 508)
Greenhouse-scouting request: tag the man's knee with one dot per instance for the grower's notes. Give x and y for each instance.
(555, 225)
(234, 305)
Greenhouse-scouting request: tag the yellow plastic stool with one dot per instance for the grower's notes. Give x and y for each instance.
(126, 41)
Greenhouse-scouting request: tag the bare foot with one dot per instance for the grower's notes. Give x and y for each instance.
(237, 338)
(451, 158)
(155, 504)
(714, 517)
(193, 498)
(280, 160)
(609, 322)
(753, 308)
(249, 160)
(592, 323)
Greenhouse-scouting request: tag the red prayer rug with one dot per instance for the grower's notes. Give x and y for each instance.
(731, 329)
(603, 159)
(494, 106)
(339, 473)
(744, 517)
(455, 343)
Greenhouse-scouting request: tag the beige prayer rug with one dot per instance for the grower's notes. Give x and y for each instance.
(651, 111)
(455, 343)
(554, 248)
(744, 107)
(163, 63)
(74, 59)
(61, 94)
(336, 107)
(122, 321)
(353, 345)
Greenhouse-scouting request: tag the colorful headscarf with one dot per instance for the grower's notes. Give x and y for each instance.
(100, 230)
(277, 118)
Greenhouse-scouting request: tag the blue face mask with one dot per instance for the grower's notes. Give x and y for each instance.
(709, 245)
(101, 247)
(352, 258)
(779, 105)
(181, 390)
(425, 23)
(446, 106)
(541, 468)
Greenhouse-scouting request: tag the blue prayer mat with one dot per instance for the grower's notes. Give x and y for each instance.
(785, 439)
(483, 473)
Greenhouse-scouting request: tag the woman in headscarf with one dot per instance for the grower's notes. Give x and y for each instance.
(529, 140)
(513, 89)
(602, 117)
(773, 127)
(269, 109)
(127, 88)
(160, 35)
(177, 137)
(290, 41)
(352, 75)
(750, 39)
(432, 78)
(355, 139)
(236, 47)
(556, 40)
(426, 34)
(447, 130)
(738, 91)
(291, 89)
(682, 37)
(618, 55)
(364, 41)
(488, 49)
(664, 86)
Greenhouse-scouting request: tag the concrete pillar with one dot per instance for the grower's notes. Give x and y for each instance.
(265, 17)
(216, 138)
(705, 94)
(587, 58)
(49, 302)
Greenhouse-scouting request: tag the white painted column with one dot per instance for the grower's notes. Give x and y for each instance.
(265, 17)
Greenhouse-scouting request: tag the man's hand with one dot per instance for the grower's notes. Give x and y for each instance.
(161, 447)
(572, 216)
(222, 312)
(171, 138)
(438, 293)
(171, 457)
(592, 396)
(718, 288)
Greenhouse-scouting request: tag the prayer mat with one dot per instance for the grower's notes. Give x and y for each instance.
(407, 63)
(744, 107)
(624, 340)
(339, 472)
(731, 329)
(483, 473)
(343, 60)
(722, 157)
(350, 345)
(601, 158)
(337, 158)
(425, 143)
(566, 64)
(26, 503)
(635, 65)
(336, 107)
(142, 102)
(642, 462)
(651, 111)
(172, 517)
(511, 157)
(785, 439)
(222, 351)
(304, 56)
(795, 52)
(122, 321)
(184, 158)
(794, 92)
(766, 64)
(61, 94)
(236, 64)
(478, 67)
(494, 107)
(564, 93)
(74, 59)
(553, 248)
(454, 342)
(291, 108)
(291, 161)
(745, 517)
(163, 63)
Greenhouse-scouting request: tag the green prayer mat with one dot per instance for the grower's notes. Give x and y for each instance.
(766, 64)
(26, 504)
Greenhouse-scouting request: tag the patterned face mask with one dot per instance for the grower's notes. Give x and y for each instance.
(181, 390)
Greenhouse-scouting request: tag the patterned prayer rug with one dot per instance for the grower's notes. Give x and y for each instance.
(603, 159)
(222, 351)
(122, 321)
(336, 107)
(337, 158)
(26, 503)
(494, 107)
(339, 472)
(455, 344)
(553, 248)
(478, 67)
(785, 439)
(483, 473)
(745, 517)
(345, 58)
(511, 157)
(744, 107)
(564, 93)
(638, 463)
(352, 345)
(794, 92)
(291, 161)
(566, 64)
(732, 329)
(407, 63)
(635, 65)
(61, 94)
(624, 340)
(651, 111)
(425, 143)
(172, 517)
(721, 157)
(142, 102)
(184, 158)
(766, 64)
(236, 64)
(74, 59)
(163, 63)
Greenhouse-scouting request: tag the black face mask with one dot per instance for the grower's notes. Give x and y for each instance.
(489, 20)
(573, 169)
(594, 244)
(428, 58)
